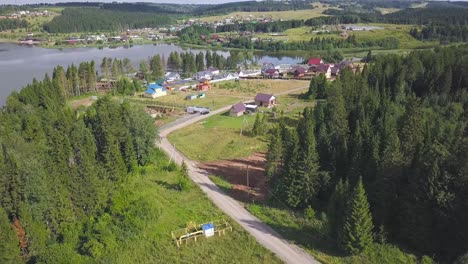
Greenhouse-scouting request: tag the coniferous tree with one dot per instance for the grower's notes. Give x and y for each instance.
(208, 59)
(156, 66)
(286, 185)
(105, 67)
(411, 130)
(92, 77)
(357, 234)
(60, 78)
(308, 177)
(127, 64)
(258, 126)
(274, 153)
(9, 247)
(144, 70)
(337, 208)
(200, 61)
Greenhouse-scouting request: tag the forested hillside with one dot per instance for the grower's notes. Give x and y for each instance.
(90, 19)
(6, 24)
(401, 127)
(447, 22)
(61, 174)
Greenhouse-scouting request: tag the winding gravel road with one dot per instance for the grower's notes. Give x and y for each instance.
(264, 234)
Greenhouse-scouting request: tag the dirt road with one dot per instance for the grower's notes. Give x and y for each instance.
(264, 234)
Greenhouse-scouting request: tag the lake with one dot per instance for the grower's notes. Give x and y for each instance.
(20, 64)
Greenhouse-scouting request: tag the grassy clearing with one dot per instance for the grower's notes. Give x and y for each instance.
(389, 10)
(217, 137)
(220, 134)
(422, 5)
(285, 15)
(153, 243)
(400, 32)
(231, 92)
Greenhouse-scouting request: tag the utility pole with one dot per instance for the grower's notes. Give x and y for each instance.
(247, 175)
(172, 154)
(242, 126)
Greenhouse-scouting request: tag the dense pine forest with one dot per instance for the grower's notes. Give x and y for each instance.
(6, 24)
(62, 172)
(80, 19)
(398, 132)
(193, 35)
(447, 22)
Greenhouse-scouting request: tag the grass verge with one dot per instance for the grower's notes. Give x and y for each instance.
(153, 244)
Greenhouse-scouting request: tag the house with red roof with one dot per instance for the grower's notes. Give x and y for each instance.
(315, 61)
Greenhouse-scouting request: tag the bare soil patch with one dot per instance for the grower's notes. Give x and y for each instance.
(235, 172)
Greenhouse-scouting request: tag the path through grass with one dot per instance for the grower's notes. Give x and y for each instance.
(153, 244)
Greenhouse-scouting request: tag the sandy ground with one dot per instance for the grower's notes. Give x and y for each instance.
(235, 171)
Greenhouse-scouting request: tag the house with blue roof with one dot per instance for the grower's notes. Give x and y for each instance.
(155, 90)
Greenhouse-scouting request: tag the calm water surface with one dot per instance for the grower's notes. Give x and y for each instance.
(20, 64)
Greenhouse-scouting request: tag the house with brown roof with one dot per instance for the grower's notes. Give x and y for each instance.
(335, 70)
(237, 110)
(298, 71)
(265, 100)
(271, 73)
(324, 69)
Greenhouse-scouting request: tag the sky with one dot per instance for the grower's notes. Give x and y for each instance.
(22, 2)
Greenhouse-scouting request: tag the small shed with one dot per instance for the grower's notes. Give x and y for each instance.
(208, 229)
(191, 97)
(265, 100)
(204, 85)
(249, 108)
(237, 110)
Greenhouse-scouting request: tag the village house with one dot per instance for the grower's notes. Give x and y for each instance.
(213, 71)
(271, 73)
(335, 71)
(204, 85)
(265, 100)
(324, 69)
(171, 76)
(298, 71)
(248, 73)
(237, 110)
(267, 66)
(154, 90)
(204, 75)
(315, 61)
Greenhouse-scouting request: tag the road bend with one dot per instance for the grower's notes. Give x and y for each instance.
(264, 234)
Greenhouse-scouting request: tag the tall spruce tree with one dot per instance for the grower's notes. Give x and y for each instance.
(357, 234)
(200, 61)
(156, 66)
(286, 184)
(274, 153)
(337, 208)
(208, 59)
(308, 178)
